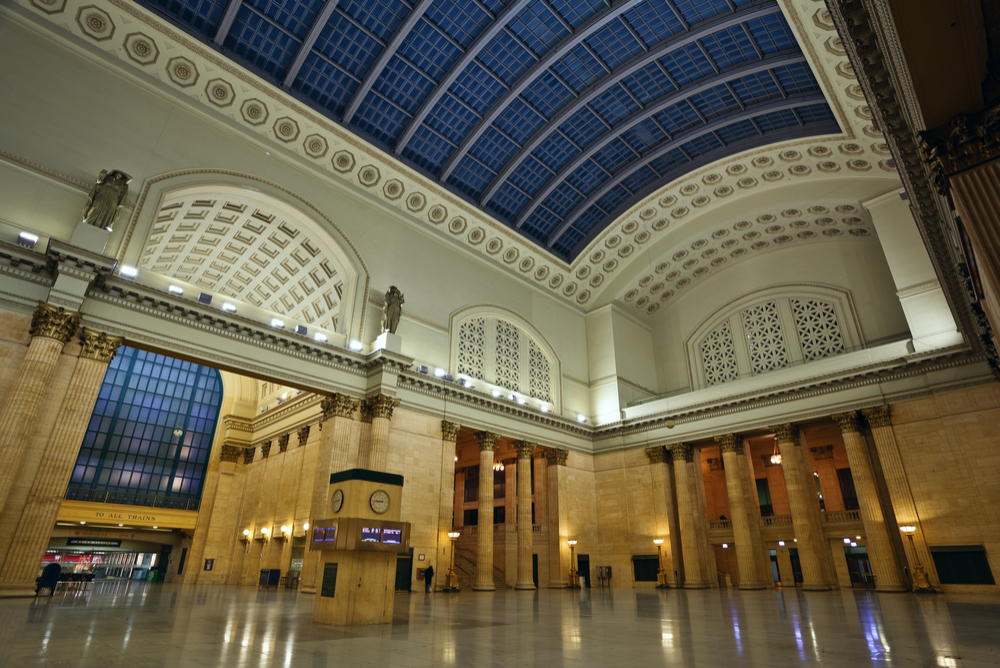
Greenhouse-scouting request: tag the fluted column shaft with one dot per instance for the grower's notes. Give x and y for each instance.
(752, 504)
(688, 514)
(39, 516)
(899, 488)
(446, 509)
(877, 536)
(732, 448)
(558, 511)
(666, 515)
(51, 328)
(525, 575)
(378, 454)
(804, 506)
(484, 543)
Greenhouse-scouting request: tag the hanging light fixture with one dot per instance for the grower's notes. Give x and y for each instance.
(776, 456)
(498, 466)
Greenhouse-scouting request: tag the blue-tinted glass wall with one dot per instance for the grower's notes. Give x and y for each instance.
(130, 444)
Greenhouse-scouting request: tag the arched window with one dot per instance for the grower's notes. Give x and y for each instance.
(151, 432)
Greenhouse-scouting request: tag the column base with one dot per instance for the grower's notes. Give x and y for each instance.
(16, 591)
(307, 589)
(526, 586)
(484, 587)
(558, 585)
(889, 589)
(815, 586)
(446, 590)
(695, 585)
(751, 586)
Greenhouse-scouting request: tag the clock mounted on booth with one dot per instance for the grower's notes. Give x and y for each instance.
(379, 501)
(337, 500)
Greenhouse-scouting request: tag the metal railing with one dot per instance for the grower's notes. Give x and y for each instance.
(841, 516)
(131, 499)
(776, 521)
(720, 524)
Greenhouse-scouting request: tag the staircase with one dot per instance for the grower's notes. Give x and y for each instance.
(465, 569)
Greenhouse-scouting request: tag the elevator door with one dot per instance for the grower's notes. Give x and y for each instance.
(404, 572)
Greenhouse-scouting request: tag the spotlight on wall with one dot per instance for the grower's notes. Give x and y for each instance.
(497, 393)
(847, 541)
(175, 290)
(82, 522)
(781, 543)
(725, 546)
(356, 346)
(320, 337)
(229, 308)
(275, 322)
(27, 239)
(581, 418)
(853, 544)
(128, 272)
(522, 401)
(439, 373)
(545, 408)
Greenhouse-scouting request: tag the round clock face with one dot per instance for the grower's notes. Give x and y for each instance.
(380, 501)
(337, 501)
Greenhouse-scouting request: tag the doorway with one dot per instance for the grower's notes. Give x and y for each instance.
(404, 572)
(583, 569)
(534, 569)
(774, 567)
(793, 555)
(859, 567)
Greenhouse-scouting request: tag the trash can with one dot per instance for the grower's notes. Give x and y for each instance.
(154, 575)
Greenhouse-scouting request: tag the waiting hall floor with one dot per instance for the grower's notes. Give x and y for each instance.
(175, 625)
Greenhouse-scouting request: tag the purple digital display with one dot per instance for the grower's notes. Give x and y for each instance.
(392, 536)
(370, 535)
(318, 534)
(331, 534)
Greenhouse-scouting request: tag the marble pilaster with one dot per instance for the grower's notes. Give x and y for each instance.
(688, 515)
(484, 532)
(732, 449)
(525, 576)
(558, 502)
(449, 437)
(666, 514)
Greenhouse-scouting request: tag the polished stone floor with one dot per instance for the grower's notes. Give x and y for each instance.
(173, 625)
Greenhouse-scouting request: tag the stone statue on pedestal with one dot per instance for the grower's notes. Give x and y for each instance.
(104, 203)
(392, 309)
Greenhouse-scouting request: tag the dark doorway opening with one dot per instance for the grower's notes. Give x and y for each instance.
(583, 569)
(404, 572)
(534, 569)
(793, 555)
(859, 567)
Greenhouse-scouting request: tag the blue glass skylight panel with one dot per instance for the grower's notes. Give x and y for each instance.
(202, 16)
(451, 119)
(429, 50)
(614, 155)
(493, 148)
(614, 44)
(382, 17)
(579, 68)
(610, 201)
(325, 84)
(776, 120)
(508, 202)
(614, 105)
(530, 176)
(587, 177)
(471, 177)
(577, 11)
(796, 78)
(555, 151)
(756, 87)
(654, 21)
(583, 127)
(649, 83)
(477, 87)
(567, 242)
(729, 47)
(642, 135)
(669, 161)
(538, 27)
(687, 64)
(260, 43)
(403, 85)
(815, 113)
(547, 94)
(678, 117)
(772, 33)
(462, 19)
(428, 150)
(541, 222)
(519, 121)
(736, 131)
(589, 219)
(506, 58)
(347, 45)
(294, 15)
(380, 119)
(696, 11)
(639, 178)
(562, 200)
(714, 101)
(706, 143)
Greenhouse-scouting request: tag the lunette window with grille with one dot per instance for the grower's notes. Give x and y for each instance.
(500, 352)
(771, 334)
(151, 430)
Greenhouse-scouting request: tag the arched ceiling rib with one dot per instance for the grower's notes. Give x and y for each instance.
(546, 114)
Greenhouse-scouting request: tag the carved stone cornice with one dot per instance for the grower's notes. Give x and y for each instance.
(338, 405)
(556, 456)
(265, 449)
(283, 442)
(848, 422)
(680, 452)
(656, 454)
(230, 453)
(237, 423)
(822, 452)
(730, 443)
(487, 440)
(303, 435)
(449, 431)
(525, 448)
(99, 345)
(715, 464)
(966, 141)
(382, 406)
(786, 433)
(248, 454)
(54, 322)
(877, 416)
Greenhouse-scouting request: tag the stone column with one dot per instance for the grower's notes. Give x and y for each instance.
(381, 408)
(338, 416)
(51, 328)
(558, 517)
(804, 505)
(446, 511)
(899, 488)
(484, 544)
(666, 514)
(688, 515)
(879, 545)
(732, 447)
(752, 505)
(525, 576)
(39, 516)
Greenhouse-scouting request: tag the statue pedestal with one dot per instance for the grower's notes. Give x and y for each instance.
(90, 238)
(389, 341)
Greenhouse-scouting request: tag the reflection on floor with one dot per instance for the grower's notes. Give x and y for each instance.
(137, 624)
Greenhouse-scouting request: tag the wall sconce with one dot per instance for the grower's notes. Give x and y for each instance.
(284, 533)
(246, 538)
(263, 534)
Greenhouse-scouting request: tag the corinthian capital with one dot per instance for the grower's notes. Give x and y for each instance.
(877, 416)
(283, 442)
(337, 405)
(303, 435)
(449, 431)
(54, 322)
(99, 346)
(730, 443)
(786, 433)
(525, 448)
(656, 454)
(848, 422)
(381, 406)
(556, 457)
(681, 452)
(487, 440)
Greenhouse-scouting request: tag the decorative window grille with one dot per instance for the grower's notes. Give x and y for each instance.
(508, 356)
(817, 327)
(472, 348)
(765, 340)
(719, 355)
(538, 374)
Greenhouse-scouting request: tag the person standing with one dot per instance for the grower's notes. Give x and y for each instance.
(428, 576)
